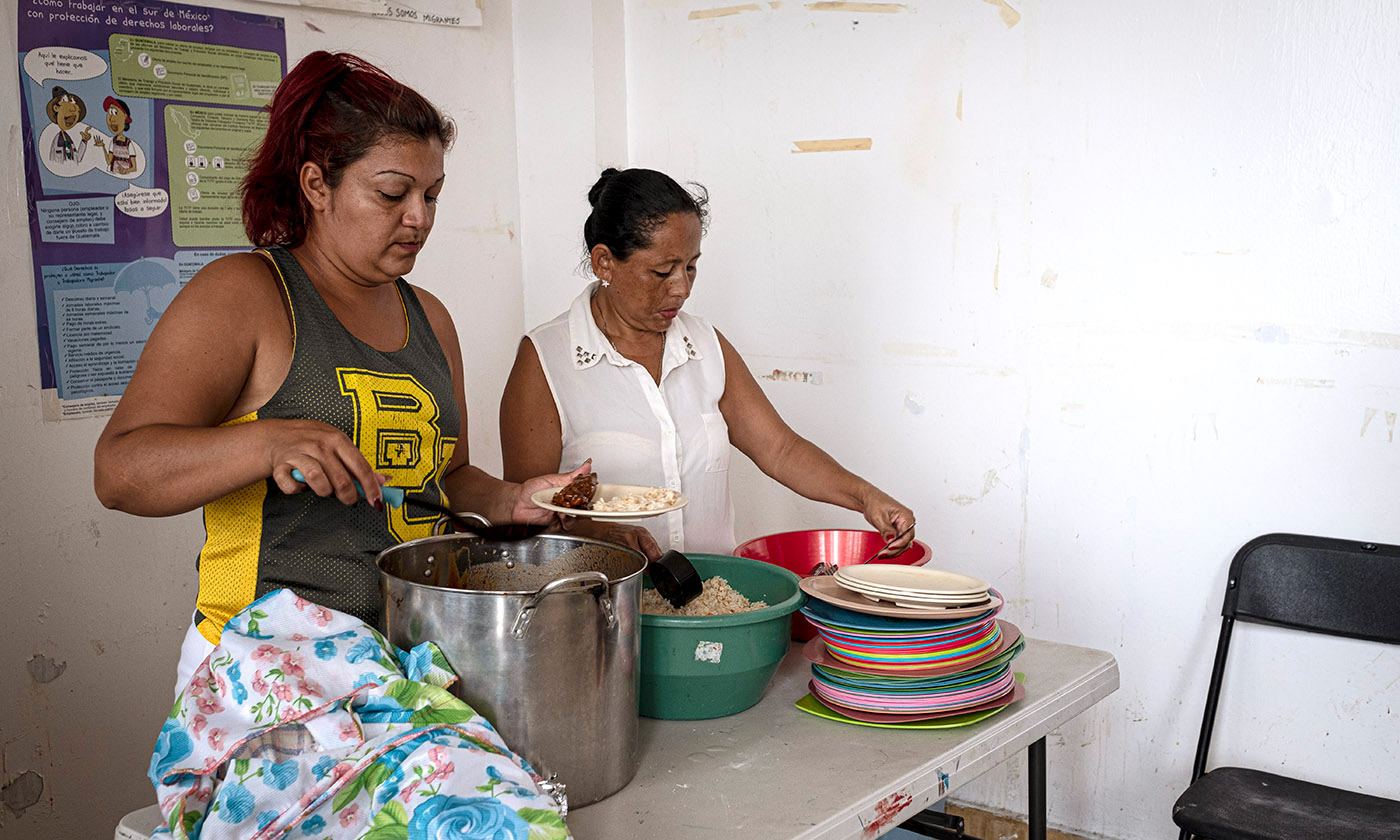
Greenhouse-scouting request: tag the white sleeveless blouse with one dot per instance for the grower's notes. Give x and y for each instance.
(637, 432)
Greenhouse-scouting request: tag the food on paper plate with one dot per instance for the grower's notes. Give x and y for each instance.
(577, 493)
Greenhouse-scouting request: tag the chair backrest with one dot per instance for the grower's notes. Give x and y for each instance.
(1317, 584)
(1322, 585)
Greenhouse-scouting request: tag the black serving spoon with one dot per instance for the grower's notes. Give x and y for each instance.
(675, 578)
(396, 497)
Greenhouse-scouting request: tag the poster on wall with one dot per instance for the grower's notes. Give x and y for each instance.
(435, 12)
(137, 118)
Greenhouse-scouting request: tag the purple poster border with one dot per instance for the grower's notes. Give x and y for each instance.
(87, 25)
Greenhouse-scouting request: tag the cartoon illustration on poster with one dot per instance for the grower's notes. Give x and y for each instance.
(137, 118)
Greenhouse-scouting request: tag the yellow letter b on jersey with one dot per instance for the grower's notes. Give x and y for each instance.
(396, 425)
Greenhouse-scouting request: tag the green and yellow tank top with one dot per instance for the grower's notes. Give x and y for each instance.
(398, 408)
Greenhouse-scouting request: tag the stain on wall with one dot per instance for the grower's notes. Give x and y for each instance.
(807, 377)
(22, 792)
(723, 11)
(1389, 423)
(843, 144)
(1009, 16)
(1202, 422)
(876, 8)
(1382, 341)
(1295, 382)
(42, 669)
(990, 479)
(917, 350)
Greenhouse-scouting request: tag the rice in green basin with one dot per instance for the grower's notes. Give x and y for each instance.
(716, 597)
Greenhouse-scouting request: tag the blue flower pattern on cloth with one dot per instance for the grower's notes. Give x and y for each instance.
(306, 723)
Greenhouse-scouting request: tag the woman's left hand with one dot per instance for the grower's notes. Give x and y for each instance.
(890, 518)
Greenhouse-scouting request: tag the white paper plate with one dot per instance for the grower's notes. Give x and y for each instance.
(605, 492)
(916, 580)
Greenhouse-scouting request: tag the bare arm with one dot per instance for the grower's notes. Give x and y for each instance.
(531, 435)
(217, 353)
(468, 487)
(797, 463)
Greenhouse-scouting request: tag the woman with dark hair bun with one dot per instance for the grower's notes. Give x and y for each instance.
(310, 354)
(655, 395)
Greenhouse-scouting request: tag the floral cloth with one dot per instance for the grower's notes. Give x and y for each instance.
(307, 723)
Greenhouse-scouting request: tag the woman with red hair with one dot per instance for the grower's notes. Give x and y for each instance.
(310, 354)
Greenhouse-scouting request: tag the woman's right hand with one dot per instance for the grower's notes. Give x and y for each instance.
(329, 463)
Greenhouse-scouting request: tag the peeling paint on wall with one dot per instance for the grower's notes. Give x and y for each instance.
(876, 8)
(42, 669)
(1296, 383)
(25, 790)
(809, 377)
(722, 11)
(1389, 423)
(1009, 16)
(844, 144)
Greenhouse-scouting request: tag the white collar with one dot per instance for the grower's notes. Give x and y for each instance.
(590, 345)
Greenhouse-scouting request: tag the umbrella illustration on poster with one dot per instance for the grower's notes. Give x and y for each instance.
(143, 276)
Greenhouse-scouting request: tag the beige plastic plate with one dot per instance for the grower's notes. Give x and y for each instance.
(910, 580)
(604, 492)
(825, 588)
(888, 593)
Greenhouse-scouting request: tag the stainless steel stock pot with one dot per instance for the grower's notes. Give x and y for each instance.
(545, 636)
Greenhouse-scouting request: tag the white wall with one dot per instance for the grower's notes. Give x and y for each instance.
(1113, 291)
(105, 596)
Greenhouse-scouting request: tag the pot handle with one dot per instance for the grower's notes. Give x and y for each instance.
(440, 526)
(589, 580)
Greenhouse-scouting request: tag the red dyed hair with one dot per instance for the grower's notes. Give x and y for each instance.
(330, 110)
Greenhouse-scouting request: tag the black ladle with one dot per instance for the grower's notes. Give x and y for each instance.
(510, 532)
(396, 497)
(675, 578)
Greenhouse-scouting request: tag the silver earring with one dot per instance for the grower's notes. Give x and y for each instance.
(605, 283)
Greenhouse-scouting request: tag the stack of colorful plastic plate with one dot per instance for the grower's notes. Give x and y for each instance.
(881, 664)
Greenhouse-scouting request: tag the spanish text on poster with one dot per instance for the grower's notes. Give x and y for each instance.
(138, 118)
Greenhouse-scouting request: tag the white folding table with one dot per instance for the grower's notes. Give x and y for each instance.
(775, 772)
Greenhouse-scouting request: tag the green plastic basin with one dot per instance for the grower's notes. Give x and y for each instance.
(709, 666)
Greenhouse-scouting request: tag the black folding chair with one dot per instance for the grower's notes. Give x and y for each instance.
(1319, 585)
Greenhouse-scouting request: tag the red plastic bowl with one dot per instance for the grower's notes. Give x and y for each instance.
(800, 551)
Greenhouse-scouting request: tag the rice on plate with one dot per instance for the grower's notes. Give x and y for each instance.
(716, 597)
(654, 498)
